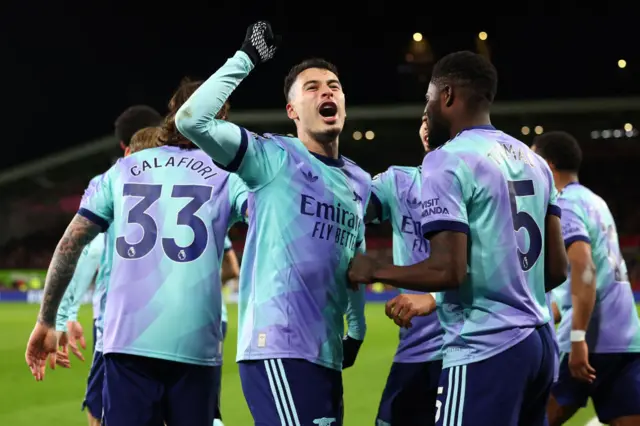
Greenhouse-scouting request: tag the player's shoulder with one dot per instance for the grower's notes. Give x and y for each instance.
(405, 170)
(284, 142)
(353, 167)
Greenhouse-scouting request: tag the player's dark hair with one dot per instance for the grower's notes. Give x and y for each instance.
(305, 65)
(561, 149)
(133, 119)
(169, 134)
(471, 71)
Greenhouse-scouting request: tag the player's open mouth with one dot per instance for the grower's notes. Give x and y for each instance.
(328, 110)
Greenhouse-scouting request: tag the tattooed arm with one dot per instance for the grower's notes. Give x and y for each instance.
(79, 233)
(445, 269)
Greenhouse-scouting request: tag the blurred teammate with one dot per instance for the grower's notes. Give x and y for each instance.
(97, 257)
(599, 332)
(306, 208)
(230, 271)
(145, 138)
(489, 211)
(169, 209)
(409, 397)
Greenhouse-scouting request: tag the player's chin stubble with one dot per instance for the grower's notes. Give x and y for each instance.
(328, 135)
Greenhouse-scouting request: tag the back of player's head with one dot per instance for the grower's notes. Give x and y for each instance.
(468, 71)
(169, 134)
(295, 71)
(560, 149)
(144, 139)
(133, 119)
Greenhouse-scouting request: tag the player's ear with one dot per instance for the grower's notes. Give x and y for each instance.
(448, 95)
(291, 112)
(127, 151)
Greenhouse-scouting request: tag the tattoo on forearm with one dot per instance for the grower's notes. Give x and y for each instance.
(79, 233)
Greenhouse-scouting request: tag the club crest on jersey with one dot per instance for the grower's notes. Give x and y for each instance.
(356, 197)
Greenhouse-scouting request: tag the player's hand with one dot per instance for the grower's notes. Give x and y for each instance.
(260, 44)
(361, 270)
(402, 308)
(579, 362)
(75, 333)
(62, 355)
(350, 349)
(43, 343)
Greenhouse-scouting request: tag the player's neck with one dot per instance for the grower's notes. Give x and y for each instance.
(327, 149)
(563, 179)
(475, 120)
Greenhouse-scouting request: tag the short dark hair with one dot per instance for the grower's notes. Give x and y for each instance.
(561, 149)
(169, 134)
(305, 65)
(470, 70)
(133, 119)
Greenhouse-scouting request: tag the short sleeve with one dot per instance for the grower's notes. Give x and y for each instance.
(380, 195)
(227, 244)
(238, 198)
(574, 227)
(97, 202)
(443, 205)
(258, 160)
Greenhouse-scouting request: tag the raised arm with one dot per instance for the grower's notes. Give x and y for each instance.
(256, 160)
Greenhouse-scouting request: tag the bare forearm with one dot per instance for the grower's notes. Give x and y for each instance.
(418, 277)
(583, 296)
(63, 264)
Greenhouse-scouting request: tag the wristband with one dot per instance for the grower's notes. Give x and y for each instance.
(577, 335)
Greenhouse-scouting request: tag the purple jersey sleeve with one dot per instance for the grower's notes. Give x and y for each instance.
(573, 227)
(97, 201)
(443, 204)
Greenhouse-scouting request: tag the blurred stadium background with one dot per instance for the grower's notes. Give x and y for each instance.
(41, 185)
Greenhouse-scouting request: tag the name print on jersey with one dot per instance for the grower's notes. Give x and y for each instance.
(186, 162)
(335, 222)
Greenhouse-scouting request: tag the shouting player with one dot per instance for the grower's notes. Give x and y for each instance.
(96, 257)
(168, 209)
(306, 206)
(599, 332)
(489, 211)
(409, 397)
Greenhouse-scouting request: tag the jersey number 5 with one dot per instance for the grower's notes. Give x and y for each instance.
(522, 219)
(199, 195)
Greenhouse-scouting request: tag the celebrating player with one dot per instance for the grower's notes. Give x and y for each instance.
(306, 208)
(489, 211)
(96, 257)
(169, 209)
(409, 397)
(599, 333)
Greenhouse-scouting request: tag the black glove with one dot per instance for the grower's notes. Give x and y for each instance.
(350, 348)
(260, 44)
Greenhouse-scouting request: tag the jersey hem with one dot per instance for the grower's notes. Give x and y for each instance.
(288, 355)
(416, 360)
(164, 356)
(497, 351)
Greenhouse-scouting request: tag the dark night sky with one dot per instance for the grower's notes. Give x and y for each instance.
(67, 77)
